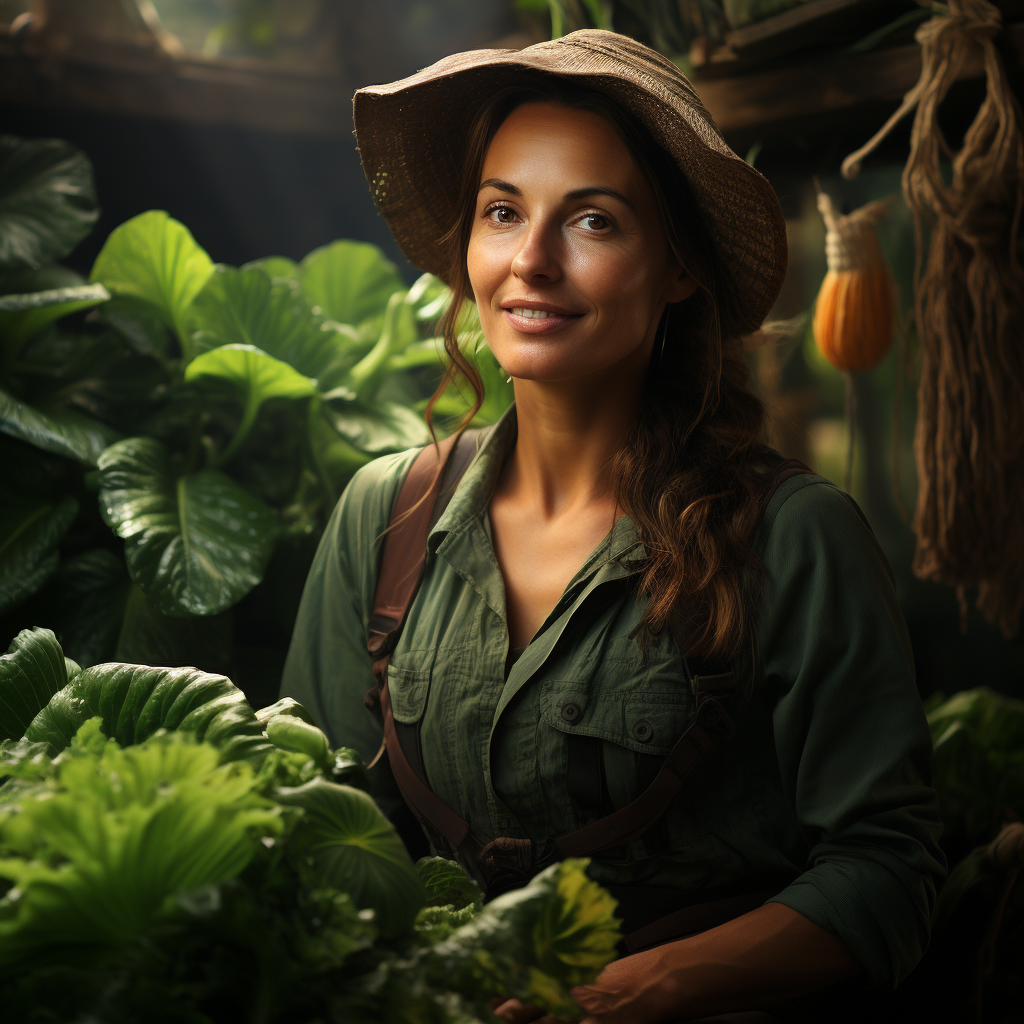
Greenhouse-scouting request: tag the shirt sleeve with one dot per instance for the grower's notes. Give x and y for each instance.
(328, 669)
(852, 741)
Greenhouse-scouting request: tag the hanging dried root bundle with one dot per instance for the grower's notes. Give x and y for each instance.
(969, 305)
(856, 306)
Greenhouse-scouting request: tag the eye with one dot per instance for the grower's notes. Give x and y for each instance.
(593, 222)
(500, 214)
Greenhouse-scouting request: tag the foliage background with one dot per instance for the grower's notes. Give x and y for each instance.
(245, 193)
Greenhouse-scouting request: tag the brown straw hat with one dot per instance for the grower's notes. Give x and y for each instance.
(411, 136)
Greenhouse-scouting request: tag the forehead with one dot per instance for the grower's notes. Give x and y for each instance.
(546, 141)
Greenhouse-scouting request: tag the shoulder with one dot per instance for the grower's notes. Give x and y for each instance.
(808, 512)
(819, 552)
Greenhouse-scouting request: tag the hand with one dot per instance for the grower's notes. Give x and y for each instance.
(636, 988)
(642, 987)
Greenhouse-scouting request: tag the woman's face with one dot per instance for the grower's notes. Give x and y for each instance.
(567, 258)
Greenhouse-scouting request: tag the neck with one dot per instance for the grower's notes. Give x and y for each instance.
(568, 433)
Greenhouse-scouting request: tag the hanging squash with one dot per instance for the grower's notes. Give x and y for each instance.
(855, 313)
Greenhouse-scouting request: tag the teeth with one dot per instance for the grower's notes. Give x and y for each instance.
(532, 314)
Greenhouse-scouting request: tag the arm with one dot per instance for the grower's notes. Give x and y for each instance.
(852, 743)
(764, 957)
(328, 668)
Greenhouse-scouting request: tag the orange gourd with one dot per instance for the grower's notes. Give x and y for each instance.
(855, 313)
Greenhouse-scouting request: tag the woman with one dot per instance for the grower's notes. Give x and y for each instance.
(622, 514)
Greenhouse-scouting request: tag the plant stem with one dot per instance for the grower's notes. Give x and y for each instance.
(252, 407)
(398, 330)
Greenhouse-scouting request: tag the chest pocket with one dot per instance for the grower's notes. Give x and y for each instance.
(408, 688)
(614, 738)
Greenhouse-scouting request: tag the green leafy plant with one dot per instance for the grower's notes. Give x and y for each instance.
(534, 943)
(161, 859)
(978, 765)
(179, 430)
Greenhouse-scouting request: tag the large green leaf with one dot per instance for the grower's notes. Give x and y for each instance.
(196, 543)
(90, 590)
(31, 672)
(347, 843)
(93, 372)
(397, 333)
(243, 307)
(429, 296)
(335, 458)
(21, 316)
(535, 943)
(61, 431)
(47, 200)
(447, 884)
(155, 258)
(276, 268)
(257, 376)
(134, 701)
(377, 428)
(349, 281)
(30, 529)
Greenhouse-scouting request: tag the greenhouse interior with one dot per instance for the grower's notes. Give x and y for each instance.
(665, 359)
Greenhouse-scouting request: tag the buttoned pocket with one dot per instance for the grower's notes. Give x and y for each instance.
(641, 720)
(408, 688)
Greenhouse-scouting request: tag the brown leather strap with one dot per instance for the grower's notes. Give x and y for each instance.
(711, 725)
(422, 800)
(405, 547)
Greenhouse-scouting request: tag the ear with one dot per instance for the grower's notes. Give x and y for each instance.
(681, 287)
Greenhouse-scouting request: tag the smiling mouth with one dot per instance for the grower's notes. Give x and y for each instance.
(528, 313)
(533, 314)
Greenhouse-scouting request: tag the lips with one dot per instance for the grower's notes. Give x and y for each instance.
(537, 317)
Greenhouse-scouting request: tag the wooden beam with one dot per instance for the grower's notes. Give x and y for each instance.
(254, 94)
(142, 83)
(824, 87)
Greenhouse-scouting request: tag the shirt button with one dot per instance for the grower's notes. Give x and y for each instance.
(642, 731)
(570, 711)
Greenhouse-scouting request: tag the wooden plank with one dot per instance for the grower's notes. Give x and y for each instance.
(205, 91)
(811, 24)
(825, 86)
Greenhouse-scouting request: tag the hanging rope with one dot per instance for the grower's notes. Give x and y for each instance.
(969, 306)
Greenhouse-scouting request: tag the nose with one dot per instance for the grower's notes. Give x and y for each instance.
(538, 257)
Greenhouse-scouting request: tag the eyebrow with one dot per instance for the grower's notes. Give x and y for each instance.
(576, 193)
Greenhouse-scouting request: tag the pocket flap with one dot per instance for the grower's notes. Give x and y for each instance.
(645, 722)
(408, 688)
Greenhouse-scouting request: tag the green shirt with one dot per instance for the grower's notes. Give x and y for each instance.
(822, 791)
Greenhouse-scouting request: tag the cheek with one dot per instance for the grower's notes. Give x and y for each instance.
(488, 265)
(623, 282)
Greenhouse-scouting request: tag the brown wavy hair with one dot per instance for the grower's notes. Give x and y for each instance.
(692, 471)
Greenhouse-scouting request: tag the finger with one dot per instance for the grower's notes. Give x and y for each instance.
(591, 999)
(518, 1013)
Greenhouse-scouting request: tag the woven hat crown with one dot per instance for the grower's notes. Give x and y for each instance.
(412, 137)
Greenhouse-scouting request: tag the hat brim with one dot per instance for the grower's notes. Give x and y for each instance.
(412, 136)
